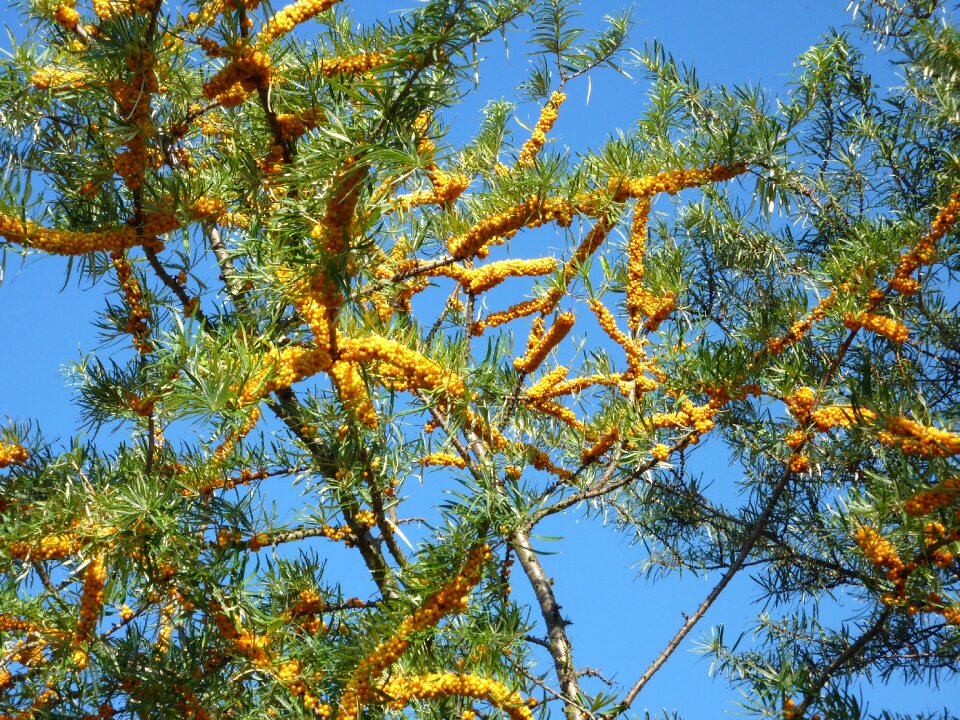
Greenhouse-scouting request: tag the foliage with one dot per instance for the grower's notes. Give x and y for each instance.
(299, 270)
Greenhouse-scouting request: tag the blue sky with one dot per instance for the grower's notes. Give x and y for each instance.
(619, 622)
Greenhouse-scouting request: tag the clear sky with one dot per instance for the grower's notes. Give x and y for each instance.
(619, 621)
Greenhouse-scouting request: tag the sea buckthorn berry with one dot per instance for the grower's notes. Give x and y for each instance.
(635, 355)
(403, 688)
(318, 301)
(671, 181)
(451, 598)
(698, 417)
(282, 368)
(924, 251)
(799, 463)
(886, 327)
(94, 577)
(545, 384)
(489, 276)
(56, 80)
(288, 18)
(353, 392)
(660, 452)
(604, 443)
(419, 371)
(636, 249)
(248, 70)
(843, 416)
(924, 503)
(51, 547)
(72, 242)
(541, 461)
(136, 323)
(882, 553)
(561, 413)
(12, 454)
(208, 208)
(351, 64)
(913, 438)
(538, 351)
(801, 402)
(531, 213)
(442, 458)
(447, 187)
(798, 329)
(548, 116)
(333, 230)
(67, 16)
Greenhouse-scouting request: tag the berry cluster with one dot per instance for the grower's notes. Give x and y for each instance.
(603, 444)
(636, 357)
(55, 80)
(332, 232)
(923, 252)
(207, 208)
(404, 688)
(542, 462)
(288, 673)
(924, 503)
(347, 379)
(882, 553)
(224, 449)
(293, 14)
(799, 463)
(519, 310)
(232, 84)
(351, 64)
(799, 328)
(698, 417)
(293, 125)
(801, 402)
(558, 411)
(671, 181)
(133, 98)
(548, 116)
(660, 452)
(451, 598)
(107, 9)
(421, 372)
(11, 454)
(543, 388)
(70, 242)
(489, 276)
(244, 642)
(654, 308)
(636, 249)
(139, 311)
(317, 300)
(885, 327)
(445, 459)
(91, 604)
(51, 547)
(915, 439)
(447, 187)
(533, 212)
(539, 346)
(842, 416)
(66, 15)
(483, 429)
(286, 366)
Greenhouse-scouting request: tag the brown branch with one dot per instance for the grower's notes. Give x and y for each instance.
(848, 654)
(692, 620)
(560, 648)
